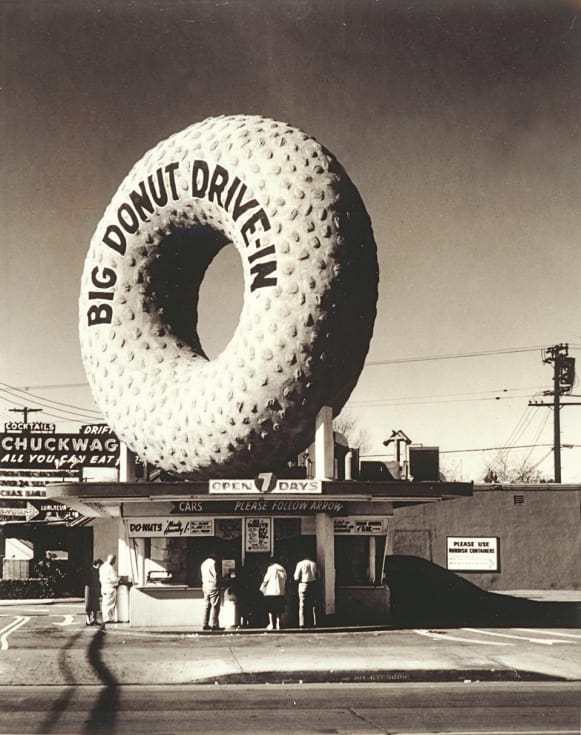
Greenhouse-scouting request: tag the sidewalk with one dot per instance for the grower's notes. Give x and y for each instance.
(42, 601)
(544, 595)
(119, 654)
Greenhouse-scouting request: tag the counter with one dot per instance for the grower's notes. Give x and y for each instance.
(170, 605)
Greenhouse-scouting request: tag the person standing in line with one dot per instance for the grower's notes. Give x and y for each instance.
(273, 588)
(92, 593)
(306, 576)
(211, 590)
(109, 583)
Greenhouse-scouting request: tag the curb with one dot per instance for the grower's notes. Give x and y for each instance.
(125, 628)
(386, 676)
(42, 601)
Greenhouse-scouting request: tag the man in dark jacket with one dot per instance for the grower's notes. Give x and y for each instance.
(92, 593)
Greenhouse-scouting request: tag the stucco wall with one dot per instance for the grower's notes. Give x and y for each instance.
(539, 538)
(105, 537)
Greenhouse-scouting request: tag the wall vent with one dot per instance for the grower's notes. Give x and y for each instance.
(518, 499)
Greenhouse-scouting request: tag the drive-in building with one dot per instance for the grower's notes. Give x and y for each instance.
(162, 531)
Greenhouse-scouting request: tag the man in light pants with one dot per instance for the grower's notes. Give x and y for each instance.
(211, 590)
(306, 576)
(109, 583)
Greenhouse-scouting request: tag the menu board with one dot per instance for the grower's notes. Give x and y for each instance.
(258, 535)
(352, 526)
(154, 527)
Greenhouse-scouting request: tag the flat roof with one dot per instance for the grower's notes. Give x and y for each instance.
(348, 489)
(510, 487)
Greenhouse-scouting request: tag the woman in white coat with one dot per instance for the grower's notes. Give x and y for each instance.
(273, 588)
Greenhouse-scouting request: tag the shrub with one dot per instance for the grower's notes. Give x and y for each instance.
(26, 589)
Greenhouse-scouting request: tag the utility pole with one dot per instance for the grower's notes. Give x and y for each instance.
(563, 380)
(25, 410)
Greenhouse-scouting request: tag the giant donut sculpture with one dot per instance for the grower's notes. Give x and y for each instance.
(310, 292)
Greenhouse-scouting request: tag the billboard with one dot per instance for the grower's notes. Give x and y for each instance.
(57, 451)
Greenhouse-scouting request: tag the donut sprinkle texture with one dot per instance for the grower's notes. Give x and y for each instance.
(310, 290)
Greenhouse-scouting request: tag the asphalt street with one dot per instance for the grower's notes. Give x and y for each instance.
(58, 675)
(493, 709)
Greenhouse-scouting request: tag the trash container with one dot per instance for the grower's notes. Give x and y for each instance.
(123, 600)
(230, 614)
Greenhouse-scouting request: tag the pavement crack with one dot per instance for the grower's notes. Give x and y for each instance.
(376, 729)
(236, 660)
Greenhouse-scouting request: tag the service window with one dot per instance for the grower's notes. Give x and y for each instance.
(185, 555)
(358, 560)
(229, 540)
(380, 542)
(352, 560)
(290, 545)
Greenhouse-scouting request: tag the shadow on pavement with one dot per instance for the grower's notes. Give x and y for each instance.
(104, 711)
(426, 595)
(60, 705)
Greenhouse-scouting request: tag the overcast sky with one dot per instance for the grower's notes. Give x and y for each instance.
(458, 121)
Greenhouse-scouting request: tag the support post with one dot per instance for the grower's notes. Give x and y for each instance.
(371, 560)
(325, 530)
(139, 570)
(123, 552)
(126, 464)
(324, 445)
(349, 465)
(124, 569)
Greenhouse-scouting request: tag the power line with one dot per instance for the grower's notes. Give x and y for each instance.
(372, 404)
(494, 449)
(52, 386)
(52, 415)
(452, 356)
(537, 436)
(490, 392)
(542, 459)
(48, 402)
(483, 449)
(369, 363)
(405, 400)
(525, 426)
(46, 407)
(514, 434)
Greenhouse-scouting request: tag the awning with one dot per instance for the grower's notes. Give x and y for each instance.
(106, 499)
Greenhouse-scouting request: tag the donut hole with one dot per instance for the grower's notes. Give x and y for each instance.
(174, 271)
(220, 301)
